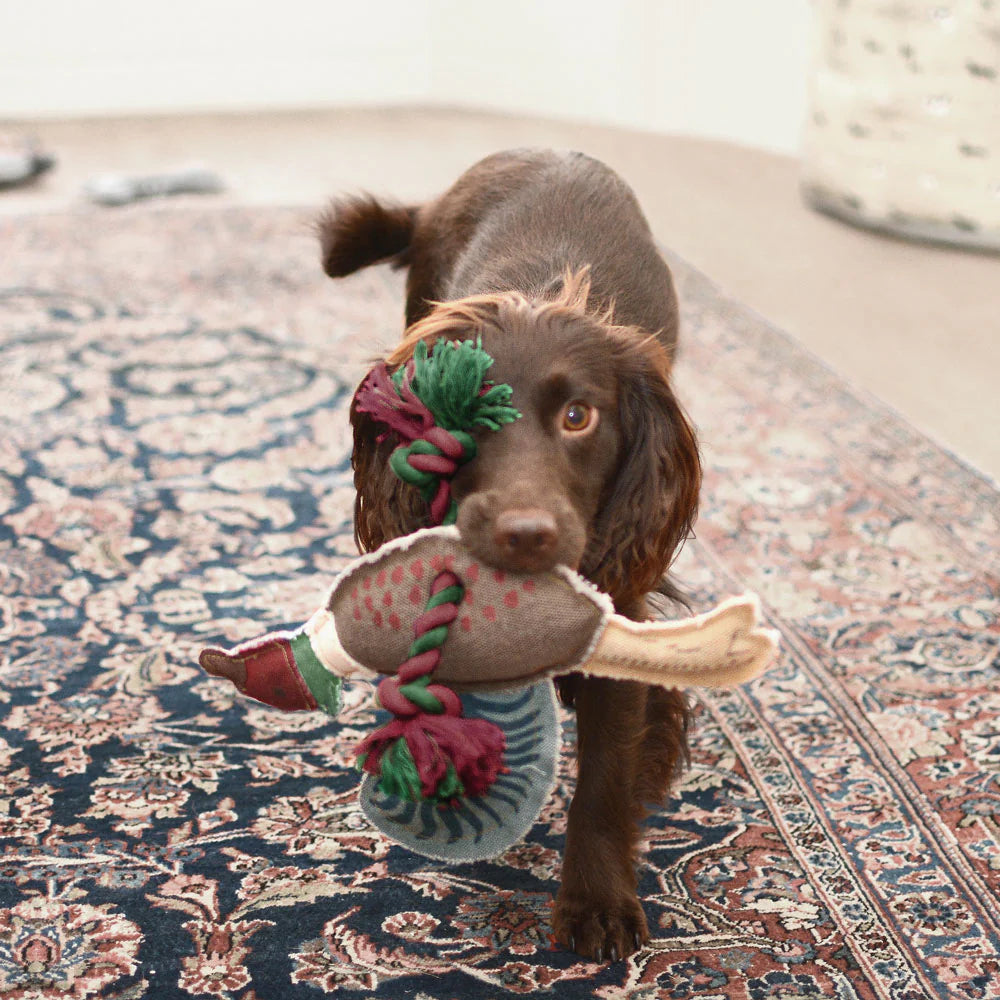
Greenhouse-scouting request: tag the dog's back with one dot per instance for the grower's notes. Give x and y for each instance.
(514, 222)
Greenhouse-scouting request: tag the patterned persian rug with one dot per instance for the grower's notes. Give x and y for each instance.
(174, 473)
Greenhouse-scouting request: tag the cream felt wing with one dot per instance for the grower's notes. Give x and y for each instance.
(721, 648)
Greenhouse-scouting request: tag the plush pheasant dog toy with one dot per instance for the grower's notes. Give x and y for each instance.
(464, 653)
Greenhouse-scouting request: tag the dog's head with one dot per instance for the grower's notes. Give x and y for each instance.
(601, 472)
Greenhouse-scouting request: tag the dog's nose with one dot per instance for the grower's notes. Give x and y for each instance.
(526, 537)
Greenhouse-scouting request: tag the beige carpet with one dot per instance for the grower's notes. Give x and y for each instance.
(917, 326)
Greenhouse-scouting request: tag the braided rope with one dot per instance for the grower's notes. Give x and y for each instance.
(429, 463)
(429, 750)
(410, 691)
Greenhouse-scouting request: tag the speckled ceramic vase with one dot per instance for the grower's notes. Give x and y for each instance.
(903, 133)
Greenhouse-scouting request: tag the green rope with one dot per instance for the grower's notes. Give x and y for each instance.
(450, 380)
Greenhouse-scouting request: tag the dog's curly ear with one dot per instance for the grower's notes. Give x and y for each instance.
(384, 506)
(652, 500)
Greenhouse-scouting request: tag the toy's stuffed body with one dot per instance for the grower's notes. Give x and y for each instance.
(478, 730)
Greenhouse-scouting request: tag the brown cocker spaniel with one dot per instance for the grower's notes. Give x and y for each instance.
(548, 258)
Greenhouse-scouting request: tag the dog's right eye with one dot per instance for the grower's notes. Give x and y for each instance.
(577, 417)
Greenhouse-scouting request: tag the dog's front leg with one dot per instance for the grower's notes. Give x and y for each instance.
(596, 912)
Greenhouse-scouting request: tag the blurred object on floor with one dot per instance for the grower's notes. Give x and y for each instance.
(21, 161)
(122, 189)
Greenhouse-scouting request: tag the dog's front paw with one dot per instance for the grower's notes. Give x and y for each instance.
(597, 928)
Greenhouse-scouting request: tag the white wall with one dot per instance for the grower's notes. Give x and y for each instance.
(111, 56)
(723, 68)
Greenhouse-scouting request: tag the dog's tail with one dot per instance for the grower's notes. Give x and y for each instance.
(357, 231)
